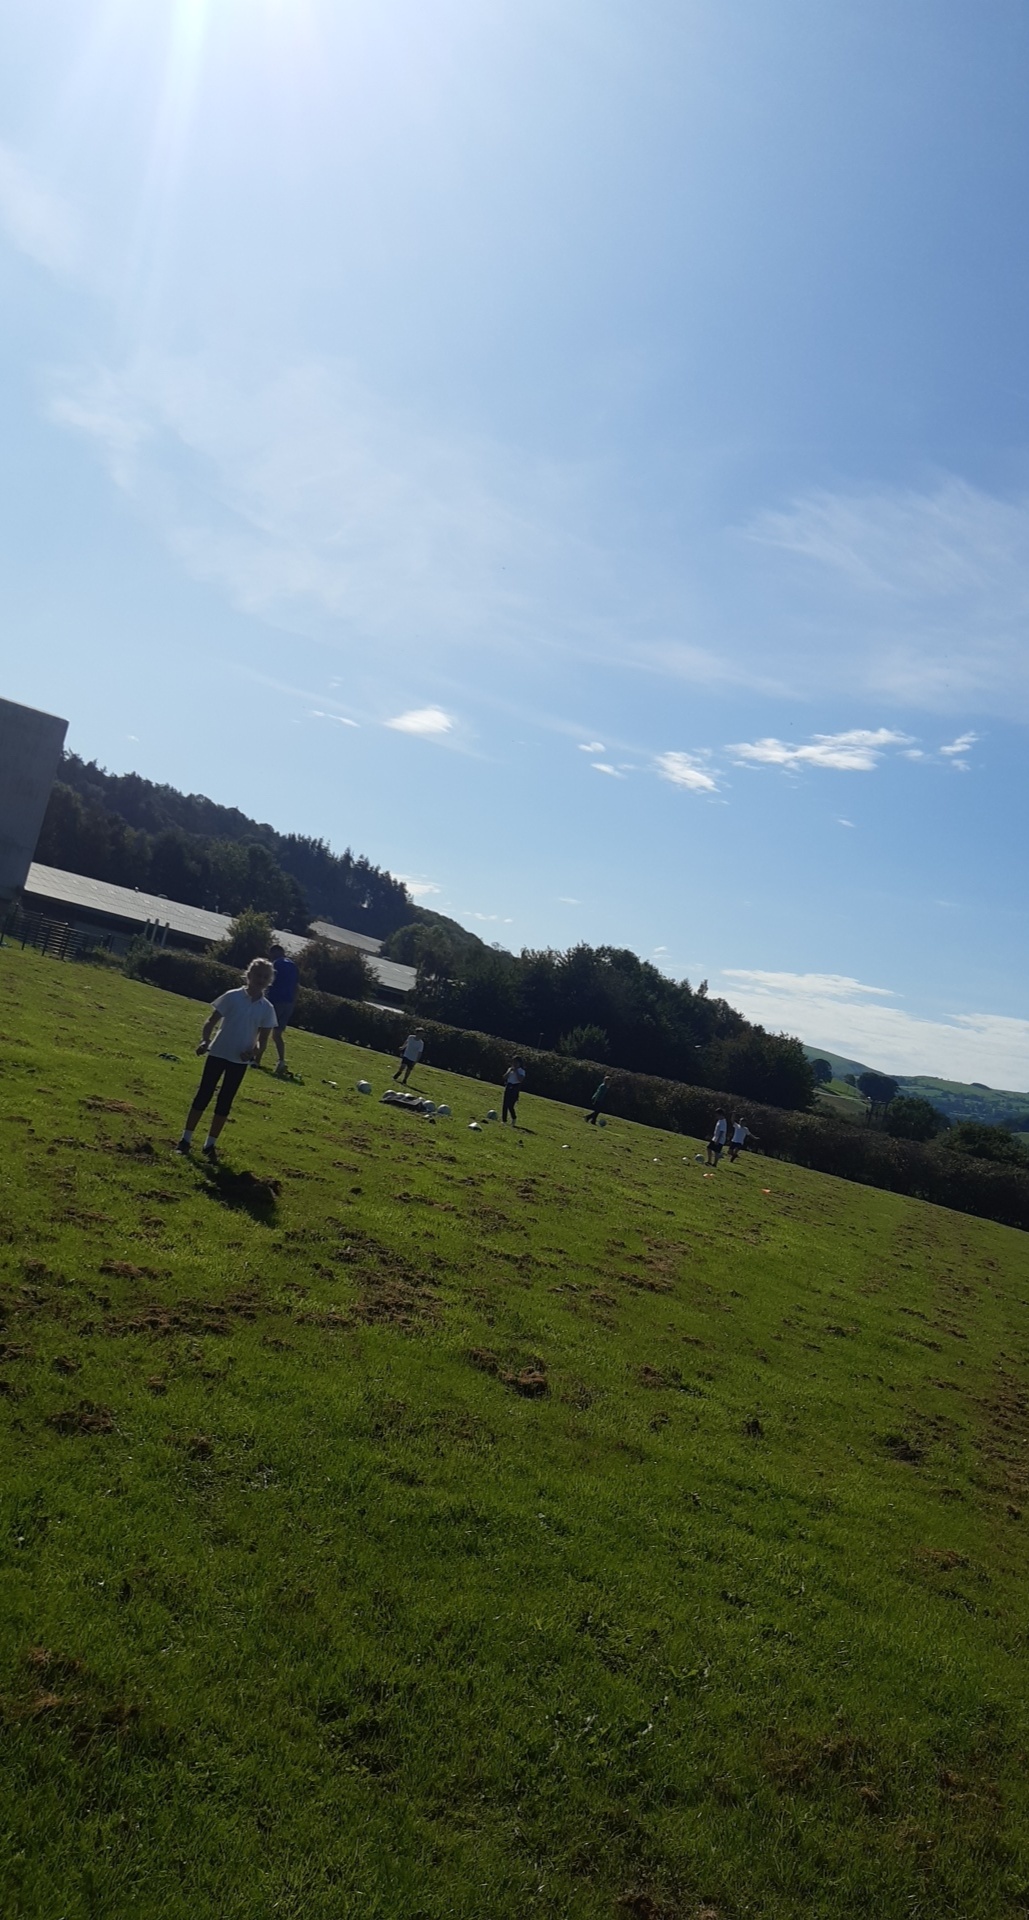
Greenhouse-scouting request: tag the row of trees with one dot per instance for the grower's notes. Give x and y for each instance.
(604, 1004)
(123, 828)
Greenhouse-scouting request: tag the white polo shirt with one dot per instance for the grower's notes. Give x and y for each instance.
(242, 1021)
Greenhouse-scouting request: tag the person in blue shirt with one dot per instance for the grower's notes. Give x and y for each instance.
(282, 993)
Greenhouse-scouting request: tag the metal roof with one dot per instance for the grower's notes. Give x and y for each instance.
(342, 937)
(76, 890)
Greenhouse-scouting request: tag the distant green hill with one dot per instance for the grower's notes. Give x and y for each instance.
(958, 1099)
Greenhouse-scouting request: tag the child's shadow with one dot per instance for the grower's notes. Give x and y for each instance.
(245, 1191)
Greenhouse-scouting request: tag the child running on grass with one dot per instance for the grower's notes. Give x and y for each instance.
(244, 1019)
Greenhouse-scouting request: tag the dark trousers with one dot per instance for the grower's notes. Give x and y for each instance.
(510, 1103)
(403, 1072)
(593, 1116)
(231, 1073)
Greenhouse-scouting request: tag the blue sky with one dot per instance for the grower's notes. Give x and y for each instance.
(576, 454)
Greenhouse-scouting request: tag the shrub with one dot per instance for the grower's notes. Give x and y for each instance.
(584, 1043)
(910, 1117)
(987, 1143)
(249, 937)
(343, 971)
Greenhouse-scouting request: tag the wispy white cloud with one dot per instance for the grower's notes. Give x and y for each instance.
(495, 919)
(591, 746)
(686, 770)
(431, 722)
(844, 823)
(313, 501)
(603, 766)
(848, 1017)
(961, 745)
(35, 219)
(341, 719)
(830, 986)
(920, 596)
(419, 889)
(859, 750)
(568, 900)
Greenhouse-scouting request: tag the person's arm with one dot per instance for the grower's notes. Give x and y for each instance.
(207, 1030)
(263, 1035)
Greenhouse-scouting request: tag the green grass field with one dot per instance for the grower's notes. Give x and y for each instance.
(488, 1524)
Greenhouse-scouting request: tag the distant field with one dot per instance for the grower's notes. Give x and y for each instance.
(841, 1102)
(488, 1525)
(958, 1099)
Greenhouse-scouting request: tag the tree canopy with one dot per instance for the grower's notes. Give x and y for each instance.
(128, 830)
(651, 1024)
(910, 1117)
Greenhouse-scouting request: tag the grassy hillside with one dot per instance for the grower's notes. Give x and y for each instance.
(958, 1099)
(488, 1524)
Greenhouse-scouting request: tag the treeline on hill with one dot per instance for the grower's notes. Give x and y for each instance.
(604, 1004)
(870, 1156)
(122, 828)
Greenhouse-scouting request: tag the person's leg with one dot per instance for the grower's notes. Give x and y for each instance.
(405, 1071)
(202, 1098)
(281, 1023)
(514, 1107)
(232, 1080)
(591, 1117)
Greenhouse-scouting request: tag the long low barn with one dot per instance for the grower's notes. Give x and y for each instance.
(125, 912)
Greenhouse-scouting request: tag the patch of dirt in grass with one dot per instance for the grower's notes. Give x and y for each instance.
(530, 1380)
(652, 1378)
(96, 1104)
(186, 1316)
(393, 1291)
(424, 1200)
(125, 1270)
(636, 1904)
(644, 1282)
(63, 1363)
(44, 1661)
(1005, 1431)
(944, 1558)
(803, 1763)
(86, 1418)
(906, 1447)
(491, 1220)
(8, 1353)
(394, 1421)
(580, 1395)
(85, 1715)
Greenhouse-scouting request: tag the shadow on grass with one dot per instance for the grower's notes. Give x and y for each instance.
(245, 1192)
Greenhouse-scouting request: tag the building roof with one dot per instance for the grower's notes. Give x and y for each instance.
(342, 937)
(75, 891)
